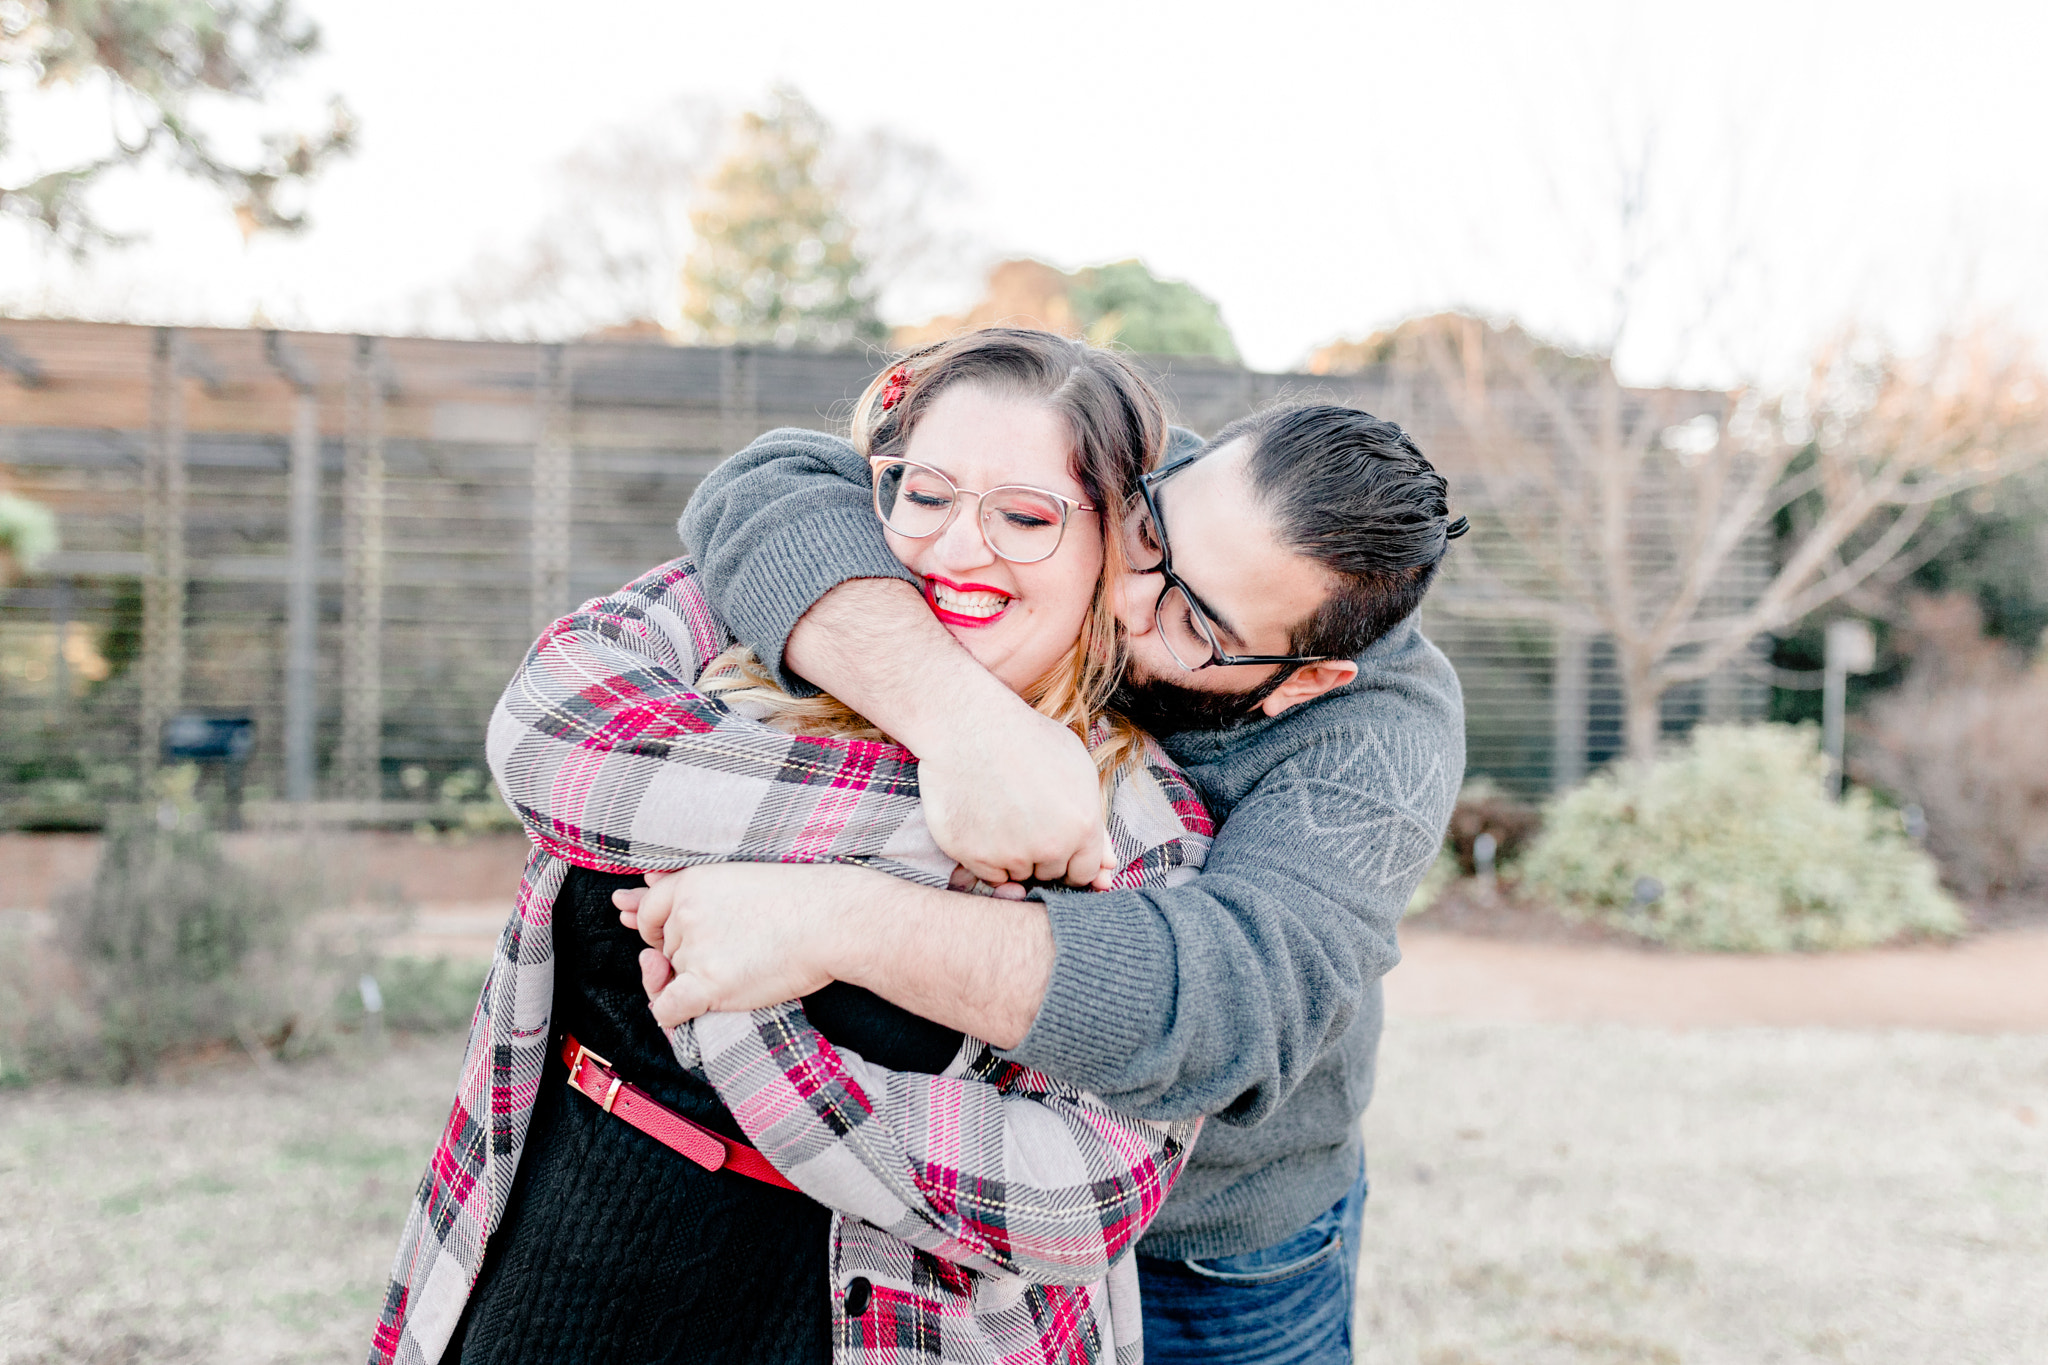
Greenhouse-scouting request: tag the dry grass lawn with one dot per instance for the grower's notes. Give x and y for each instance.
(230, 1216)
(1574, 1193)
(1541, 1193)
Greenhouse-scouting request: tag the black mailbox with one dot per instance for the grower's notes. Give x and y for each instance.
(222, 741)
(209, 739)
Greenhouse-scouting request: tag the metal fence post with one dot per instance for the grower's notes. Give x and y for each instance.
(1568, 696)
(553, 512)
(738, 399)
(302, 583)
(164, 498)
(60, 664)
(362, 602)
(302, 609)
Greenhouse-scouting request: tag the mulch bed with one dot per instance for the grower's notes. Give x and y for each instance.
(1468, 906)
(2009, 911)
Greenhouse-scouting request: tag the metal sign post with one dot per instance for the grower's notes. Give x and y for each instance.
(1851, 648)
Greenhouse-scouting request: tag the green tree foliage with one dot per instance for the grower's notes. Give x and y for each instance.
(1127, 304)
(1994, 547)
(775, 260)
(1732, 843)
(160, 60)
(28, 535)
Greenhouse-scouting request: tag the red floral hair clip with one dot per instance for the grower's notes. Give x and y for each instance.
(895, 387)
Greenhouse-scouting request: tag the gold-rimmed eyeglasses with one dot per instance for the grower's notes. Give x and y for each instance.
(1018, 522)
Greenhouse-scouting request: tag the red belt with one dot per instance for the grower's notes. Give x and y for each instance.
(592, 1076)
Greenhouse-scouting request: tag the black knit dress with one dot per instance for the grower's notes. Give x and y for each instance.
(615, 1250)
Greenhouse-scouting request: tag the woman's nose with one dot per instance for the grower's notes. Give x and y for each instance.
(961, 545)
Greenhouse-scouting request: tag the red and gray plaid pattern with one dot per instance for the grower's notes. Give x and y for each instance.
(991, 1209)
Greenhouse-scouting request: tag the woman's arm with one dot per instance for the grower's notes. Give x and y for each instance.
(612, 760)
(1000, 1169)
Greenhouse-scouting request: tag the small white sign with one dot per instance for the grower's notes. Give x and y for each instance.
(1851, 647)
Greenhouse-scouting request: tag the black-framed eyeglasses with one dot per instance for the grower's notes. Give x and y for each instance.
(1184, 627)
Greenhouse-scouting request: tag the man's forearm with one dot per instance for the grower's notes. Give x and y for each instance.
(1009, 793)
(973, 963)
(874, 644)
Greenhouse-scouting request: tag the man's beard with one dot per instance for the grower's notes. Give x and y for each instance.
(1164, 708)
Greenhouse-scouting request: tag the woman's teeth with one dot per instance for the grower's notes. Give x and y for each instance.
(983, 604)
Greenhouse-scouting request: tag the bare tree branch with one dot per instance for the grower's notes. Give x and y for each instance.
(1626, 537)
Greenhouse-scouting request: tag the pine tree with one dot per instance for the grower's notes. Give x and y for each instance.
(775, 261)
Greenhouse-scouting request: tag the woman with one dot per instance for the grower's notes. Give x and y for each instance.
(637, 738)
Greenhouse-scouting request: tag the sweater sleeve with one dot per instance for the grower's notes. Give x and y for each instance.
(778, 526)
(1219, 995)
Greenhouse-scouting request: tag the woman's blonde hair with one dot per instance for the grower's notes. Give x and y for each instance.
(1119, 431)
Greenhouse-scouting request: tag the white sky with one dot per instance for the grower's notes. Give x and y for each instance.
(1320, 169)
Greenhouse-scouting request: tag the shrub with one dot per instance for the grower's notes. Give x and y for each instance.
(1484, 807)
(1966, 739)
(1737, 847)
(180, 947)
(41, 1021)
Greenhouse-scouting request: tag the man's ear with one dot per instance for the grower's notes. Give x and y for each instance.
(1309, 682)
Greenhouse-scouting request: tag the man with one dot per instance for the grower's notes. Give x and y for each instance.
(1273, 650)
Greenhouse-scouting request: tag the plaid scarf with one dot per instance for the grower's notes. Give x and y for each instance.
(991, 1208)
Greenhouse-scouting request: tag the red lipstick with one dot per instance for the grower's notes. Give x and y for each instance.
(954, 618)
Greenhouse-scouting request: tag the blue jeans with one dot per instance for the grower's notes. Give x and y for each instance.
(1289, 1304)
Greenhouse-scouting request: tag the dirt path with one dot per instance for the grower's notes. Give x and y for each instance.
(1991, 983)
(387, 864)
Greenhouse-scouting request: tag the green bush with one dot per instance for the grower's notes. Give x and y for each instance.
(1731, 843)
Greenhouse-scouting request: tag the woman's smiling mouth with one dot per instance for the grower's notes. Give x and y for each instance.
(965, 604)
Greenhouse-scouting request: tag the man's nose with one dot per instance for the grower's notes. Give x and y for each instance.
(1136, 597)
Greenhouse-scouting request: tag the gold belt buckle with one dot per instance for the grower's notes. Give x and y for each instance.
(576, 1066)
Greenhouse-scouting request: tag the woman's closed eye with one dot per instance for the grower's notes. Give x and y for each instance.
(932, 501)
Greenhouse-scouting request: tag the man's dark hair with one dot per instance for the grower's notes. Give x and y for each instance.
(1354, 493)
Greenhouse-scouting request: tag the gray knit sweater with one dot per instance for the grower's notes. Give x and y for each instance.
(1253, 992)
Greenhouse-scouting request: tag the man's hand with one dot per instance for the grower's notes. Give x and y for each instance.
(1010, 795)
(740, 935)
(745, 935)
